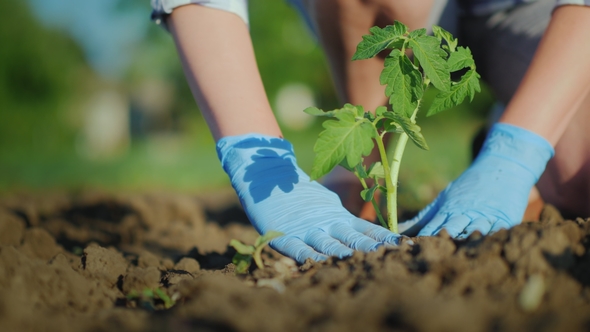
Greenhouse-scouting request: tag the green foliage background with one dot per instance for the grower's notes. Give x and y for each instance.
(45, 85)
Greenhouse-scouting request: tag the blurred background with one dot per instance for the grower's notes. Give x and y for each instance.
(92, 95)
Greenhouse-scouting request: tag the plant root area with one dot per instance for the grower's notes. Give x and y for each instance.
(161, 262)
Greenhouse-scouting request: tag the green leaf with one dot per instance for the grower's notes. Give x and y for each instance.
(266, 238)
(378, 40)
(412, 129)
(380, 110)
(318, 112)
(369, 193)
(241, 248)
(466, 87)
(432, 59)
(404, 83)
(361, 171)
(168, 303)
(376, 170)
(460, 59)
(417, 33)
(443, 34)
(242, 263)
(343, 140)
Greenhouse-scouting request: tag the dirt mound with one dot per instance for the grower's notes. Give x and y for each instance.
(161, 262)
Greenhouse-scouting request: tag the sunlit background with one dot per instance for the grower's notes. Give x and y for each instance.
(92, 95)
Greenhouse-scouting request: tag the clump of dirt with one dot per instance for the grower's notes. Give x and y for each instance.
(156, 262)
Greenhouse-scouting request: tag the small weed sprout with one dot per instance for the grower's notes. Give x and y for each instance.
(245, 252)
(148, 298)
(351, 133)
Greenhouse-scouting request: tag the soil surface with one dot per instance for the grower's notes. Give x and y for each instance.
(156, 262)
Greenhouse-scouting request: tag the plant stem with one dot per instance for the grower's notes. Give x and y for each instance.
(373, 201)
(394, 174)
(389, 184)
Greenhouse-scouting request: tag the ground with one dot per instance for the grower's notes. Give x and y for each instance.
(83, 261)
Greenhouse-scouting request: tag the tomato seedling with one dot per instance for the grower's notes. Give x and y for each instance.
(351, 133)
(245, 253)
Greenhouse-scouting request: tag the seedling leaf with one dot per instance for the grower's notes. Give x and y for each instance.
(417, 33)
(404, 83)
(460, 59)
(263, 240)
(369, 193)
(318, 112)
(241, 248)
(376, 170)
(432, 59)
(443, 34)
(467, 86)
(242, 263)
(344, 140)
(361, 171)
(378, 40)
(412, 129)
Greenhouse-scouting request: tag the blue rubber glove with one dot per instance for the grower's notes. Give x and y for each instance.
(277, 195)
(493, 192)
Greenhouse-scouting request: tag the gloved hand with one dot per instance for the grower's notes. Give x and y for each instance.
(277, 195)
(493, 192)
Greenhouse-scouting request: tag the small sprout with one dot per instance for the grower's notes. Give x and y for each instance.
(148, 297)
(245, 252)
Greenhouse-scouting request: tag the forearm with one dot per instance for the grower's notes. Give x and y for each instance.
(218, 60)
(558, 78)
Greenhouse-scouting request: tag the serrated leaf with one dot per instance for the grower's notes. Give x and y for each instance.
(244, 249)
(343, 140)
(417, 33)
(376, 170)
(378, 40)
(411, 129)
(368, 194)
(432, 60)
(391, 127)
(466, 87)
(380, 110)
(460, 59)
(404, 83)
(266, 238)
(443, 34)
(318, 112)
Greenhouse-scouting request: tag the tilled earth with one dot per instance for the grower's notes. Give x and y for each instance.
(154, 262)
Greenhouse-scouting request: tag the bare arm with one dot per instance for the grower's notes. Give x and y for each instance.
(558, 79)
(219, 63)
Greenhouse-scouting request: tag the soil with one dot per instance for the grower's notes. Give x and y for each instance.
(82, 261)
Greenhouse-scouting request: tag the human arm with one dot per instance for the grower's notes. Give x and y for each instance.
(558, 78)
(555, 84)
(220, 66)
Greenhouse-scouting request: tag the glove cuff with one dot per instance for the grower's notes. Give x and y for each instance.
(518, 145)
(231, 147)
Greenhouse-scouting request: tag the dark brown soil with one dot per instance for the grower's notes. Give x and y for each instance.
(76, 262)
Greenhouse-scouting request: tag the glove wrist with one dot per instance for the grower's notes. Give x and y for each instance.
(521, 146)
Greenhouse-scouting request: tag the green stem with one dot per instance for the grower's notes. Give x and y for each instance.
(391, 209)
(373, 201)
(394, 174)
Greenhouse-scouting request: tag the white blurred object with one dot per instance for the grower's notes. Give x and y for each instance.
(291, 100)
(105, 130)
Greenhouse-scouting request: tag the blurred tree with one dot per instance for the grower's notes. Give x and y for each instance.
(40, 71)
